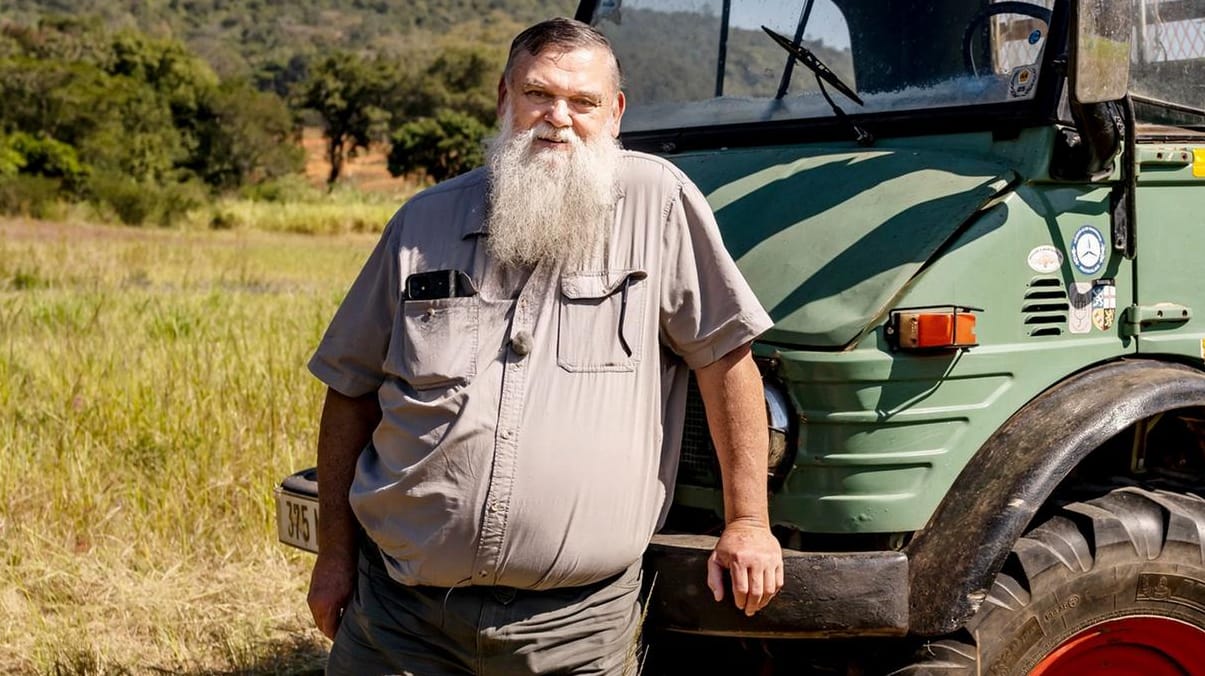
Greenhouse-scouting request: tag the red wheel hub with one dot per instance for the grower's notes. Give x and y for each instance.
(1149, 646)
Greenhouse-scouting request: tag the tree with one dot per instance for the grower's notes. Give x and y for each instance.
(244, 136)
(348, 92)
(114, 123)
(11, 159)
(462, 77)
(448, 144)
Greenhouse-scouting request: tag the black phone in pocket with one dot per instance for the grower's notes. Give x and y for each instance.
(438, 284)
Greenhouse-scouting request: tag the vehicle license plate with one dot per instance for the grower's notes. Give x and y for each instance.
(297, 520)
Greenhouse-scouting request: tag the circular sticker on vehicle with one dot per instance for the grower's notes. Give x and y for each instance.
(1044, 259)
(1088, 250)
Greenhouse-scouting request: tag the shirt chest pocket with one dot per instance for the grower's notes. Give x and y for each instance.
(601, 320)
(434, 342)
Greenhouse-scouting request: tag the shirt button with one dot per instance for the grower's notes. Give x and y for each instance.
(505, 434)
(521, 343)
(482, 573)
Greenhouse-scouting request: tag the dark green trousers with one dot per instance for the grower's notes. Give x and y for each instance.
(390, 628)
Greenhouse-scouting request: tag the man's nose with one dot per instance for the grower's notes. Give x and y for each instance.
(558, 113)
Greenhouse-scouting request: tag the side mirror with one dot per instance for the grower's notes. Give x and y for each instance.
(1100, 53)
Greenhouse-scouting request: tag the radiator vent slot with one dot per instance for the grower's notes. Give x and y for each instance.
(1045, 307)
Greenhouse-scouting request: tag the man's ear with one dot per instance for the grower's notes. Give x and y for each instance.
(501, 96)
(617, 113)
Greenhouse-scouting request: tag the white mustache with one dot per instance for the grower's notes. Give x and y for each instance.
(546, 132)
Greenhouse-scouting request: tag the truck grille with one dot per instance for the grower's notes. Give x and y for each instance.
(698, 465)
(1044, 310)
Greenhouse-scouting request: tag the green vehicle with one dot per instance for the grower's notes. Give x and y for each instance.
(979, 228)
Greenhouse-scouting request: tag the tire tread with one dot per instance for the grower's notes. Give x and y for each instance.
(1123, 527)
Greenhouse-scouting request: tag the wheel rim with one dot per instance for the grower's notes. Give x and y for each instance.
(1151, 646)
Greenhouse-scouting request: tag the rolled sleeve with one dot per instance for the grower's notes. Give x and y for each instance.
(707, 307)
(350, 357)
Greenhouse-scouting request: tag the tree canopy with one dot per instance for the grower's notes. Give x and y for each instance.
(118, 100)
(85, 108)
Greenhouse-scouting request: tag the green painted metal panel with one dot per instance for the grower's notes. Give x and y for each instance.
(1171, 245)
(828, 236)
(885, 434)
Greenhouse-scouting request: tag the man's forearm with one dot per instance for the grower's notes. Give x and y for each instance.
(747, 551)
(736, 413)
(346, 427)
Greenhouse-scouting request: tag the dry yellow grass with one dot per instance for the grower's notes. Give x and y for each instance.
(152, 391)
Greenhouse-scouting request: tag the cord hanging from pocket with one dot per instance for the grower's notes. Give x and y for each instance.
(623, 310)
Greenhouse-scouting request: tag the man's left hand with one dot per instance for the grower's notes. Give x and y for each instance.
(753, 558)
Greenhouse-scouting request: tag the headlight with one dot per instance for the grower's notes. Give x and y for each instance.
(778, 414)
(698, 465)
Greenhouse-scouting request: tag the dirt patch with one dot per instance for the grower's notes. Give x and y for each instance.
(367, 170)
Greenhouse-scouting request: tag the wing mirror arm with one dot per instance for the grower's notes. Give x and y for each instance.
(1101, 107)
(1122, 205)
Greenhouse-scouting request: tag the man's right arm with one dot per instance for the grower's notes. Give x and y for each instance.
(346, 428)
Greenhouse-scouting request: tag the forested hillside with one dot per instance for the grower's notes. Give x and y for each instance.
(146, 109)
(242, 37)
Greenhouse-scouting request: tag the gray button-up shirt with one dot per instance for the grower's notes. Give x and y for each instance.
(530, 432)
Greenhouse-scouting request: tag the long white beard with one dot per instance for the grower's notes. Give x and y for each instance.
(547, 204)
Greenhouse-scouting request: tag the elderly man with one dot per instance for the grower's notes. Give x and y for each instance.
(507, 380)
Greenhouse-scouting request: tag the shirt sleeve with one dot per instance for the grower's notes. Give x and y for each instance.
(707, 307)
(350, 357)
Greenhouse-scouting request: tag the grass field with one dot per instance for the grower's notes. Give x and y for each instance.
(152, 391)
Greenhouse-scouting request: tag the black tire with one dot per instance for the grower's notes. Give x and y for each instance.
(1126, 556)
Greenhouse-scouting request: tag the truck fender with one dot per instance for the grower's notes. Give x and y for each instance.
(953, 560)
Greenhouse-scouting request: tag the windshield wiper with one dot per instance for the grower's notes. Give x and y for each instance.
(824, 74)
(789, 69)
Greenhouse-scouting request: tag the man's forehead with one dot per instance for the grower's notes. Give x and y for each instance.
(553, 61)
(591, 88)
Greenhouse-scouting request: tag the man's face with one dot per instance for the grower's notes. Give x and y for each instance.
(569, 90)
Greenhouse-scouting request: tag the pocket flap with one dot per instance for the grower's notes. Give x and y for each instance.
(597, 284)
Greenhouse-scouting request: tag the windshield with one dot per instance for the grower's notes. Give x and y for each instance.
(690, 63)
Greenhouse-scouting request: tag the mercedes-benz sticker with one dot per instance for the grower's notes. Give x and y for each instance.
(1088, 250)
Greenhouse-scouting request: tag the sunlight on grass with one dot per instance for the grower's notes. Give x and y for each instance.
(292, 205)
(152, 391)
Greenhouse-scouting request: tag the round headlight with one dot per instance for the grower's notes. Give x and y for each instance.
(779, 416)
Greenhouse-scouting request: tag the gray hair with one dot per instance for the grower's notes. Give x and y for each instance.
(564, 34)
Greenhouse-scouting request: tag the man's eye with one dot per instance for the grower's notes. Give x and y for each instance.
(536, 95)
(585, 104)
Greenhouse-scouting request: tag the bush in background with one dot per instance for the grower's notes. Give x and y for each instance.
(137, 203)
(30, 196)
(443, 146)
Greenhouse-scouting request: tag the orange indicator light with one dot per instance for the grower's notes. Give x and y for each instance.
(934, 329)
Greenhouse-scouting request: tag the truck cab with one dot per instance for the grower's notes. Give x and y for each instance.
(978, 229)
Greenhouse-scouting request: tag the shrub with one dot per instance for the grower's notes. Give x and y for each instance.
(285, 189)
(445, 145)
(135, 203)
(45, 156)
(177, 199)
(32, 196)
(11, 159)
(130, 200)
